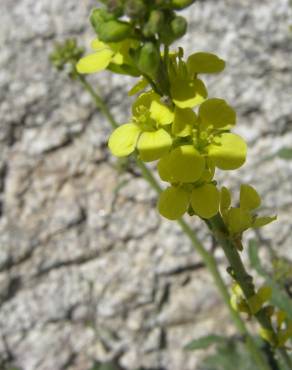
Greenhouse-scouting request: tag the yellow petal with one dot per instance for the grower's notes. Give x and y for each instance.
(153, 145)
(161, 113)
(217, 113)
(96, 45)
(205, 200)
(122, 141)
(228, 152)
(144, 100)
(173, 203)
(95, 62)
(117, 59)
(188, 94)
(184, 121)
(183, 164)
(249, 197)
(205, 63)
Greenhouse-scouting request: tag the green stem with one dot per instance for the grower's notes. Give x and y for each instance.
(98, 101)
(208, 259)
(240, 275)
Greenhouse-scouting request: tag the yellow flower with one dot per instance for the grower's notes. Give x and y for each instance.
(175, 200)
(148, 132)
(113, 55)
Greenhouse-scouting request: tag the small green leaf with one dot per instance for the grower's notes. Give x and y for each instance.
(204, 342)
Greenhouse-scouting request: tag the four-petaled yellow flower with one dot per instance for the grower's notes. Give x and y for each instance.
(148, 132)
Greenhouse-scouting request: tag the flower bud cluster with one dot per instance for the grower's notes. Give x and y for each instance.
(66, 55)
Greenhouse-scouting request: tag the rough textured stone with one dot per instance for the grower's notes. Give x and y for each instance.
(88, 270)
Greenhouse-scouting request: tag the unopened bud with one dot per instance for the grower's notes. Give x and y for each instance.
(181, 4)
(178, 26)
(135, 8)
(114, 31)
(149, 59)
(154, 23)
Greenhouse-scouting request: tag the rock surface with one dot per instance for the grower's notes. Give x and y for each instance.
(88, 270)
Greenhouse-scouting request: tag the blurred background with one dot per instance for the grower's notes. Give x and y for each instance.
(89, 272)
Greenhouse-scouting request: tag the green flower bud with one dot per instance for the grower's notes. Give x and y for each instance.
(181, 4)
(135, 8)
(113, 31)
(154, 24)
(99, 16)
(115, 7)
(178, 26)
(149, 59)
(107, 27)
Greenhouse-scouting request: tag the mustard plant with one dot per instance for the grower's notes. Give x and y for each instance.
(189, 135)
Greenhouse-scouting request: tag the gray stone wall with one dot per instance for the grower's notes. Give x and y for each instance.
(89, 271)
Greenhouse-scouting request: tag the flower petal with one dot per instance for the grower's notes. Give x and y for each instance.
(249, 197)
(173, 203)
(122, 141)
(161, 113)
(184, 121)
(97, 45)
(229, 151)
(145, 101)
(95, 62)
(205, 200)
(205, 63)
(188, 94)
(217, 113)
(183, 164)
(117, 59)
(154, 144)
